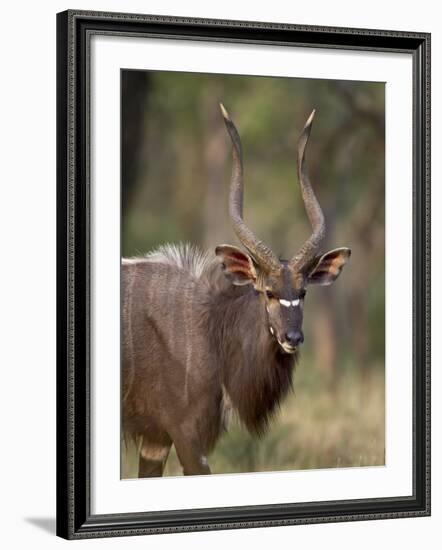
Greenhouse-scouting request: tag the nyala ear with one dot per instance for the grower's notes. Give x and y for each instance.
(328, 267)
(237, 266)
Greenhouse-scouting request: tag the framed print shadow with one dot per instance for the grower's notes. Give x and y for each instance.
(243, 274)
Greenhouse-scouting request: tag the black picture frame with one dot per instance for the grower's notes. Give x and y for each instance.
(74, 518)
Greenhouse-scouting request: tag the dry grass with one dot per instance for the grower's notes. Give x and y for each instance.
(318, 427)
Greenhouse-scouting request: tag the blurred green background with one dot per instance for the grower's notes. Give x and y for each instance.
(175, 180)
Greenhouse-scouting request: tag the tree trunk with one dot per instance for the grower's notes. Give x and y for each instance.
(215, 156)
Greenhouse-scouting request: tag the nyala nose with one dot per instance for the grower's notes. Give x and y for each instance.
(294, 337)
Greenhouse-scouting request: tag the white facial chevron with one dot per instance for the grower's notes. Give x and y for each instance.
(288, 303)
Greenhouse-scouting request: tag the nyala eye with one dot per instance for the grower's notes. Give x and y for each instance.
(302, 293)
(269, 294)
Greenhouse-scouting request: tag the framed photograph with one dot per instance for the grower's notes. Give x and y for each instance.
(243, 274)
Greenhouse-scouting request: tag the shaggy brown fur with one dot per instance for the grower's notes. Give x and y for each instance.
(191, 341)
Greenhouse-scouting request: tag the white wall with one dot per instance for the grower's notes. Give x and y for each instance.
(27, 300)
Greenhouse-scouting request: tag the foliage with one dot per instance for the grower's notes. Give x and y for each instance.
(316, 428)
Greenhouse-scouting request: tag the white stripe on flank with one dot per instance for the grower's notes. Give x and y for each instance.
(127, 314)
(131, 261)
